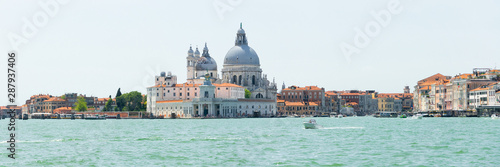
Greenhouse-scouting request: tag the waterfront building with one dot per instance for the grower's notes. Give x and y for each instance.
(402, 101)
(385, 104)
(45, 103)
(49, 105)
(287, 108)
(304, 100)
(484, 95)
(206, 95)
(444, 93)
(5, 109)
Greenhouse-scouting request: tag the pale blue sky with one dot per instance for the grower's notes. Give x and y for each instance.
(94, 46)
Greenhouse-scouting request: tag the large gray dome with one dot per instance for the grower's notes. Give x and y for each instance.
(241, 55)
(206, 63)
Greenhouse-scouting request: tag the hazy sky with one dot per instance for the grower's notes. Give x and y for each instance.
(94, 47)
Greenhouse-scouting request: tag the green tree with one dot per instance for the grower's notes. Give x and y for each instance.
(133, 100)
(108, 106)
(118, 93)
(63, 97)
(81, 104)
(247, 94)
(120, 102)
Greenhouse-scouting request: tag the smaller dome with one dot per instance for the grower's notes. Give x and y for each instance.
(197, 52)
(206, 63)
(190, 51)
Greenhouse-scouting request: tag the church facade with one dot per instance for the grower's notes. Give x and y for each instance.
(204, 94)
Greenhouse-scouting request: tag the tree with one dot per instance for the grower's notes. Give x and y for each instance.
(63, 97)
(108, 106)
(247, 94)
(120, 102)
(133, 100)
(118, 93)
(81, 104)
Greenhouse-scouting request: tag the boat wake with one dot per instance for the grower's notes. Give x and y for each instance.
(342, 128)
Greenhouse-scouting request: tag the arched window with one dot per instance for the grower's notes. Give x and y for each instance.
(235, 80)
(253, 80)
(206, 94)
(259, 96)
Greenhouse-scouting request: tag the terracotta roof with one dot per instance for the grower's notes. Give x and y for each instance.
(463, 76)
(480, 89)
(227, 85)
(54, 99)
(303, 88)
(425, 88)
(435, 79)
(330, 93)
(495, 70)
(63, 109)
(352, 104)
(104, 99)
(288, 103)
(280, 101)
(351, 94)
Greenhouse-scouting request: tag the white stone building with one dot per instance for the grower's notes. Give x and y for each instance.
(206, 95)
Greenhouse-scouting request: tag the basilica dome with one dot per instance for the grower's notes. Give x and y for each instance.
(241, 53)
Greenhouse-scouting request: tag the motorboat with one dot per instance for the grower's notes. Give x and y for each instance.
(340, 116)
(494, 116)
(386, 115)
(96, 117)
(311, 124)
(417, 116)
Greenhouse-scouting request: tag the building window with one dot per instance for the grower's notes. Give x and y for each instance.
(174, 94)
(195, 94)
(188, 94)
(157, 94)
(180, 94)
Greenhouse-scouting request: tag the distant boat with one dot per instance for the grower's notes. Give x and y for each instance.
(311, 124)
(386, 115)
(494, 116)
(96, 117)
(340, 116)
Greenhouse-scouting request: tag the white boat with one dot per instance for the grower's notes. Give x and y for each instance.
(311, 124)
(417, 116)
(340, 116)
(494, 116)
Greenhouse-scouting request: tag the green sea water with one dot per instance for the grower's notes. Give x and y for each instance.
(353, 141)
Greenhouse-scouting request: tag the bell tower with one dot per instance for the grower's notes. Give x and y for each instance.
(191, 61)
